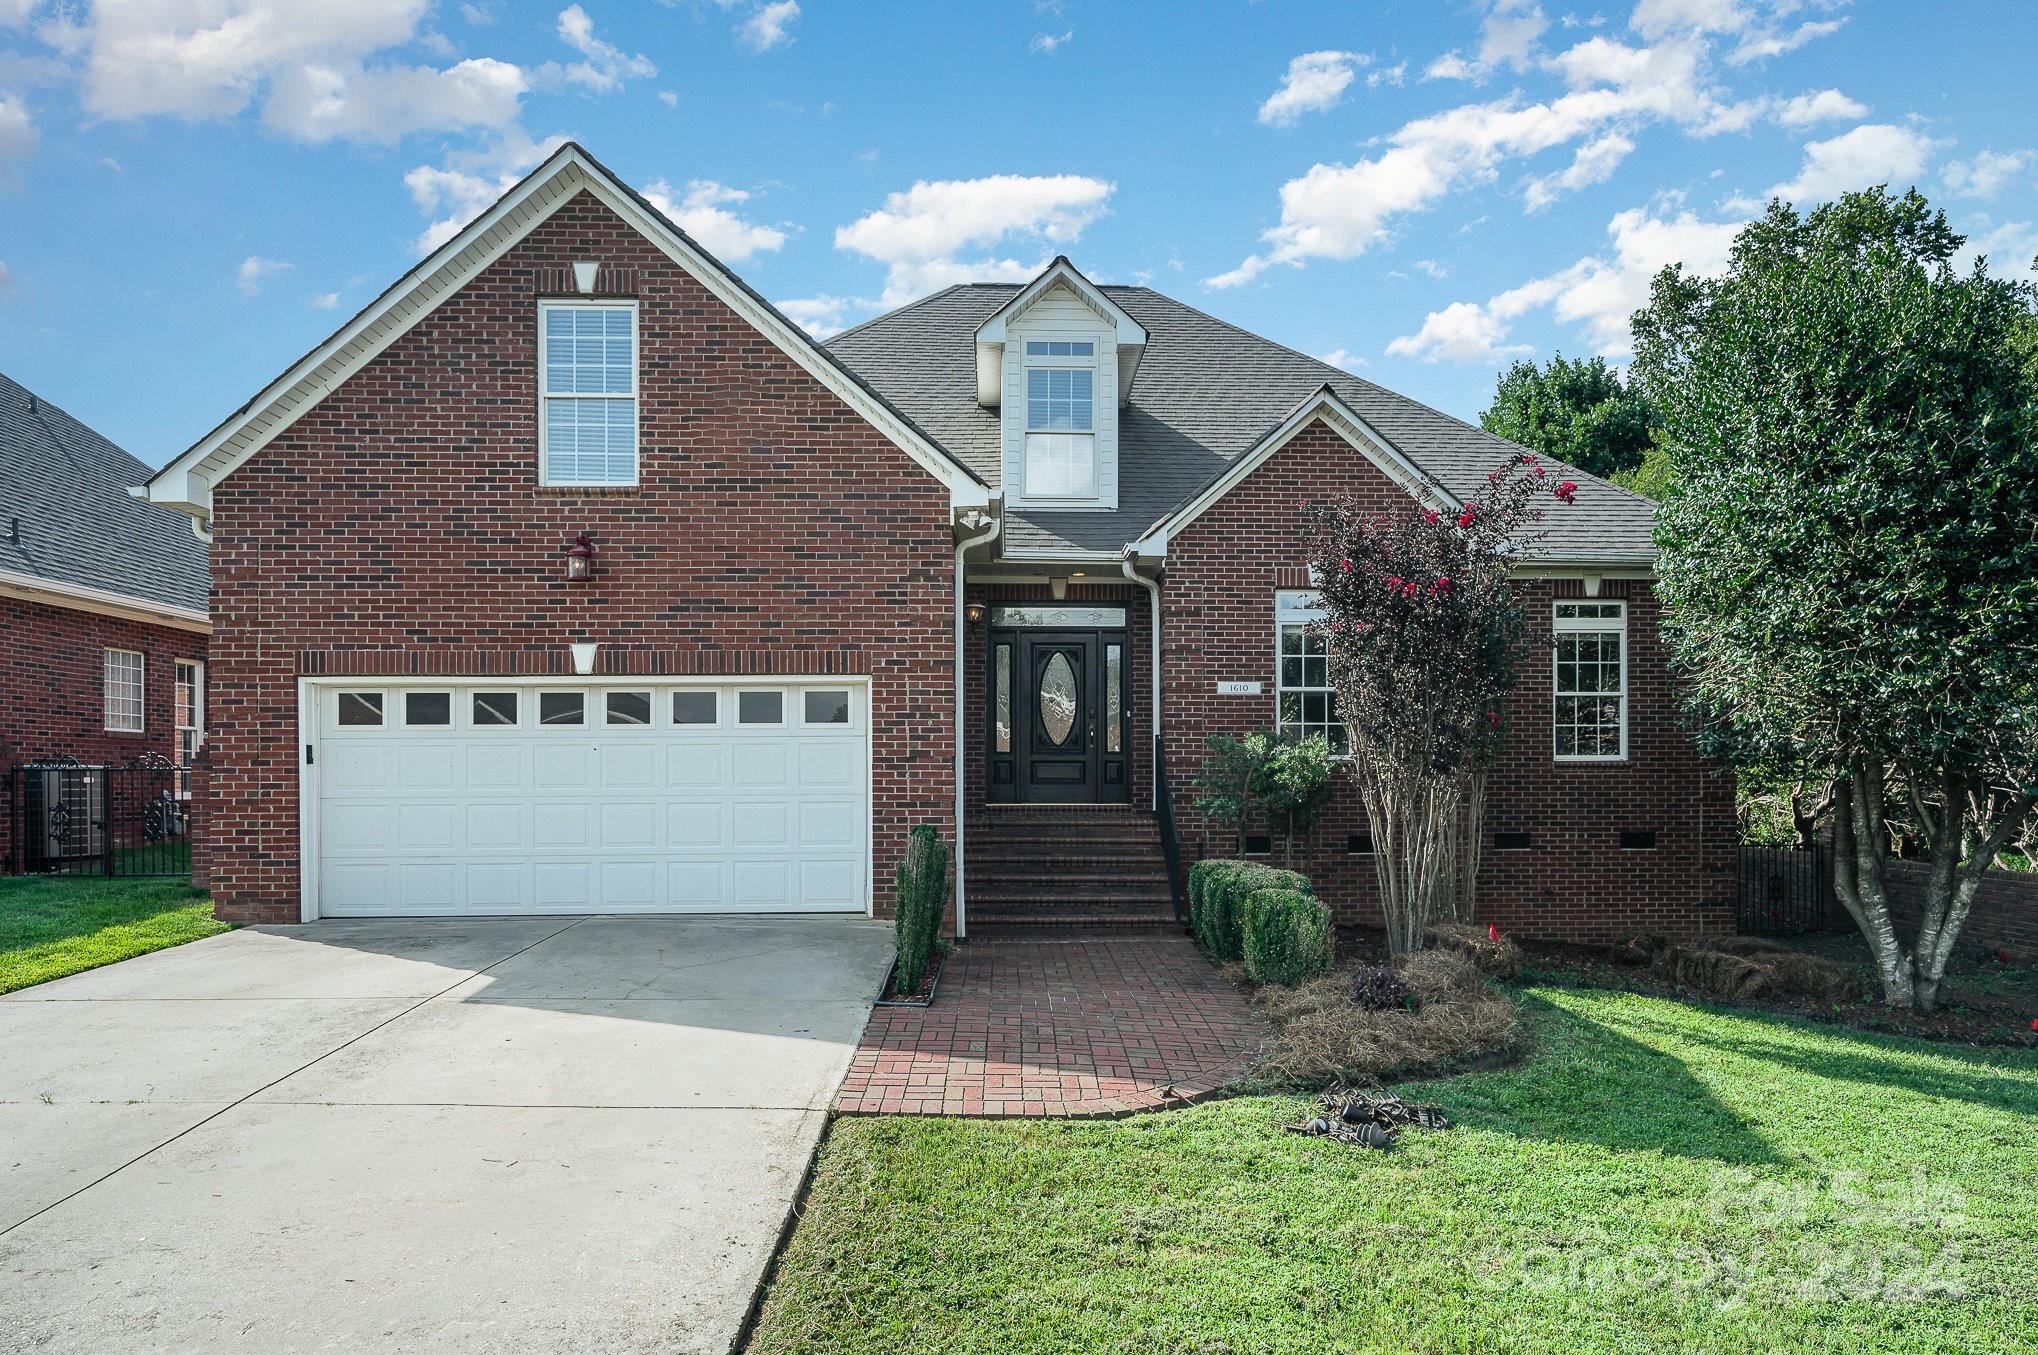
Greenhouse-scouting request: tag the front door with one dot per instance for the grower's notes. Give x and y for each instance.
(1058, 718)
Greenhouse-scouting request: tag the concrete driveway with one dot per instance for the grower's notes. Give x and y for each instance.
(531, 1134)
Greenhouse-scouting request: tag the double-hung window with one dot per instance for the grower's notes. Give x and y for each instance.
(1590, 715)
(123, 689)
(188, 708)
(587, 393)
(1304, 701)
(1061, 427)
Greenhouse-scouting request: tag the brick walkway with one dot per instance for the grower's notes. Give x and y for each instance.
(1089, 1028)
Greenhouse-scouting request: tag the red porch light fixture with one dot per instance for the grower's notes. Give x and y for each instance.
(975, 612)
(580, 559)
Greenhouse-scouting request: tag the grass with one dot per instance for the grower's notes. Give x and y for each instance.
(52, 926)
(1659, 1176)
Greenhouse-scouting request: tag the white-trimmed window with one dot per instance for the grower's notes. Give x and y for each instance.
(1590, 690)
(188, 708)
(587, 392)
(1304, 701)
(1061, 429)
(124, 689)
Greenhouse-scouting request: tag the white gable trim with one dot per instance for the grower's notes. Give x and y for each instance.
(1325, 407)
(1129, 334)
(186, 483)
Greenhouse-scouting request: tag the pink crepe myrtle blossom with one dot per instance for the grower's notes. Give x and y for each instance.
(1566, 492)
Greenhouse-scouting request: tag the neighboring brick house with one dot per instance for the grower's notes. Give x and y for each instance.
(103, 624)
(570, 576)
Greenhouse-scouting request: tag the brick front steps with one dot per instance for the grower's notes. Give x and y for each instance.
(1085, 1029)
(1036, 870)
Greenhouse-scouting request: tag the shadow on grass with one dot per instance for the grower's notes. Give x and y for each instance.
(1875, 1060)
(1589, 1083)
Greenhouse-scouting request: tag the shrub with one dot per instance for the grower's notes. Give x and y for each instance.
(1284, 936)
(1227, 778)
(1293, 788)
(922, 900)
(1377, 988)
(1217, 894)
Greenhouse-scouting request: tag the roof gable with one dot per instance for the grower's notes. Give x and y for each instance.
(186, 483)
(1129, 335)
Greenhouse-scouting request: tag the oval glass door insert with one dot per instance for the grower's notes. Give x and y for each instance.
(1058, 699)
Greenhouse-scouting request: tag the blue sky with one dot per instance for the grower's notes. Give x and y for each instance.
(193, 192)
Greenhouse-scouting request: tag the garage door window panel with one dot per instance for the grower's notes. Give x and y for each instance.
(760, 708)
(562, 708)
(827, 706)
(360, 709)
(495, 710)
(696, 708)
(427, 709)
(628, 708)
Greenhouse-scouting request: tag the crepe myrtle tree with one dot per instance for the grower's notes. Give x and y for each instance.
(1426, 636)
(1849, 552)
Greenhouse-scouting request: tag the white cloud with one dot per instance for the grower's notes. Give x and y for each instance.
(1598, 292)
(1460, 332)
(1339, 357)
(1387, 75)
(605, 66)
(1825, 105)
(1765, 43)
(703, 212)
(1450, 66)
(17, 137)
(1654, 18)
(1984, 175)
(1314, 82)
(14, 13)
(822, 316)
(469, 181)
(1050, 42)
(325, 301)
(254, 270)
(919, 233)
(1872, 153)
(1507, 36)
(668, 98)
(1594, 163)
(385, 103)
(2012, 250)
(769, 25)
(1431, 268)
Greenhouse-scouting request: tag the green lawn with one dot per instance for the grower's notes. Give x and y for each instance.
(50, 927)
(1658, 1177)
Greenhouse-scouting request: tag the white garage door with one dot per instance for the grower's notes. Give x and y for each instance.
(622, 797)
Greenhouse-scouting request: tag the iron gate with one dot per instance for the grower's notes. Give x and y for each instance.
(1784, 889)
(72, 818)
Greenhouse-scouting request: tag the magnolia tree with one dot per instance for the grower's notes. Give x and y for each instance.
(1850, 551)
(1425, 637)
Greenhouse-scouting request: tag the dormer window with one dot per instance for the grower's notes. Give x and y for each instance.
(1061, 442)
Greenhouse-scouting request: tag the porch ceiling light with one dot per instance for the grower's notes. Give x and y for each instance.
(975, 612)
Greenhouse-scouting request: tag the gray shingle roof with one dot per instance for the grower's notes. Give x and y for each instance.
(79, 526)
(1206, 392)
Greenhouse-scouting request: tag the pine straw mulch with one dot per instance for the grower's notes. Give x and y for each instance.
(1323, 1036)
(1987, 999)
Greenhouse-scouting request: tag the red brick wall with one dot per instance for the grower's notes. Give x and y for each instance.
(399, 528)
(1575, 882)
(52, 687)
(2005, 914)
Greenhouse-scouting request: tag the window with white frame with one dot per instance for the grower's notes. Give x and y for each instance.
(1304, 701)
(1061, 441)
(123, 691)
(587, 393)
(188, 709)
(1590, 691)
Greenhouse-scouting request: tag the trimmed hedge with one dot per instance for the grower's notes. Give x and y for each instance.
(923, 899)
(1217, 893)
(1285, 936)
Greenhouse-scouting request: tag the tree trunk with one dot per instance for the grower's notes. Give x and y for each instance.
(1859, 852)
(1940, 929)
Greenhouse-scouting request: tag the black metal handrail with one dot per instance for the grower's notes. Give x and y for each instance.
(1171, 842)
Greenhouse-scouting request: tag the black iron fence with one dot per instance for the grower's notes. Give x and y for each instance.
(1784, 889)
(72, 818)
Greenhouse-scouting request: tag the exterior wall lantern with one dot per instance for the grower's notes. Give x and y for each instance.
(975, 612)
(580, 559)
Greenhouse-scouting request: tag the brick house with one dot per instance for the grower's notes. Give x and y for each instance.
(103, 608)
(571, 576)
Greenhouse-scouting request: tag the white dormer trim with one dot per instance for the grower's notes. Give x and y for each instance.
(1323, 406)
(186, 482)
(1130, 334)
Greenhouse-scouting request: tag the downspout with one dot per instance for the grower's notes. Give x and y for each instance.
(1153, 593)
(961, 746)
